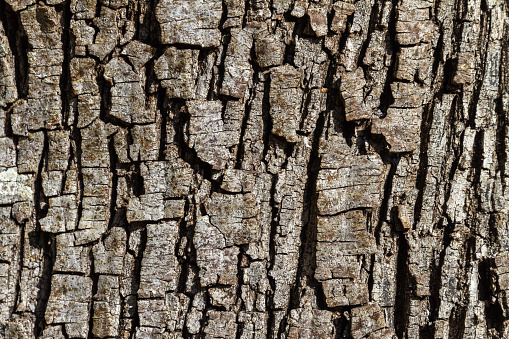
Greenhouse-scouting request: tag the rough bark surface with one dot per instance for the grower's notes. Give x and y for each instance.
(254, 169)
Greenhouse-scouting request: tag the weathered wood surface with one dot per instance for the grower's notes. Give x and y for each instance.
(254, 169)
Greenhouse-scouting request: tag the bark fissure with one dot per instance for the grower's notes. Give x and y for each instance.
(253, 168)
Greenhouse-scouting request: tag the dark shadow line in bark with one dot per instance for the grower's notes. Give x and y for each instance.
(402, 298)
(114, 182)
(95, 280)
(18, 43)
(392, 47)
(384, 206)
(65, 77)
(266, 118)
(427, 118)
(486, 290)
(46, 241)
(188, 154)
(17, 291)
(500, 146)
(307, 251)
(48, 245)
(163, 110)
(272, 257)
(136, 276)
(458, 313)
(184, 232)
(481, 67)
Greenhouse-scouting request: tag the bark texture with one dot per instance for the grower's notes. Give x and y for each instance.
(254, 169)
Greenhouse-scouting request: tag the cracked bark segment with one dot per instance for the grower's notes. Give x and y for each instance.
(138, 53)
(342, 10)
(352, 91)
(238, 181)
(316, 105)
(178, 69)
(437, 151)
(236, 217)
(489, 89)
(414, 25)
(289, 196)
(358, 32)
(452, 270)
(223, 297)
(147, 207)
(70, 258)
(217, 262)
(312, 62)
(162, 183)
(52, 183)
(10, 236)
(299, 8)
(234, 12)
(415, 63)
(106, 39)
(109, 253)
(45, 60)
(344, 292)
(127, 93)
(269, 50)
(384, 273)
(95, 204)
(58, 150)
(83, 9)
(83, 77)
(106, 306)
(401, 128)
(145, 144)
(318, 18)
(355, 182)
(409, 95)
(253, 138)
(237, 68)
(53, 332)
(94, 144)
(207, 134)
(191, 22)
(339, 236)
(160, 268)
(221, 325)
(414, 32)
(115, 4)
(14, 187)
(368, 321)
(83, 36)
(7, 153)
(254, 324)
(62, 214)
(420, 261)
(501, 272)
(76, 86)
(377, 59)
(89, 109)
(285, 101)
(167, 313)
(174, 179)
(8, 90)
(69, 303)
(311, 323)
(193, 321)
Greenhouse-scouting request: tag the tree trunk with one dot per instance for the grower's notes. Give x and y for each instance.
(254, 169)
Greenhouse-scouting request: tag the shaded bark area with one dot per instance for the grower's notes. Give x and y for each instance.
(254, 169)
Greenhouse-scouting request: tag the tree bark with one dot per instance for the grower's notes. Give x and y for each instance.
(254, 169)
